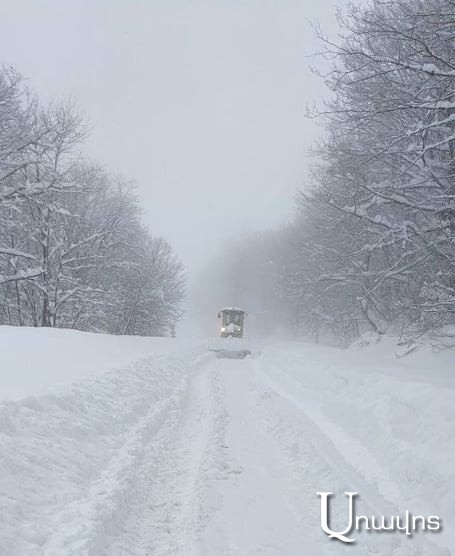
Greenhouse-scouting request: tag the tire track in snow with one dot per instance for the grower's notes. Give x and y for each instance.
(166, 514)
(256, 510)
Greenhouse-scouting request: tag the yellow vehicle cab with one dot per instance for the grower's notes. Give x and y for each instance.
(232, 321)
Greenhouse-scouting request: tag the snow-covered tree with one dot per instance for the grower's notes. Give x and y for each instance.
(72, 250)
(378, 233)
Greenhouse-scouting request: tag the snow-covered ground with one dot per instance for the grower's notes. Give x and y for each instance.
(36, 361)
(156, 447)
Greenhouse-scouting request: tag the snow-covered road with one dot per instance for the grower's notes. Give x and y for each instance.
(216, 481)
(191, 455)
(237, 469)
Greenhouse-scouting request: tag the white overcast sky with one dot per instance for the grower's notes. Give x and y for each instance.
(200, 102)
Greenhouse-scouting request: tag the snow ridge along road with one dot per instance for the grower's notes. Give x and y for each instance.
(164, 516)
(68, 460)
(184, 454)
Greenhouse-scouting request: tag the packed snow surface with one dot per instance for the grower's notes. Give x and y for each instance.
(156, 447)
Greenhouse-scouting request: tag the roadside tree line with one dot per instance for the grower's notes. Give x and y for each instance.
(372, 246)
(73, 251)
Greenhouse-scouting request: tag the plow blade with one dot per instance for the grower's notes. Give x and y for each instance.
(229, 348)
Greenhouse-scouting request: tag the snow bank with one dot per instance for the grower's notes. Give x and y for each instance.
(392, 419)
(35, 361)
(69, 448)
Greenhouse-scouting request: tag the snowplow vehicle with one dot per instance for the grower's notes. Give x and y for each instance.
(232, 320)
(231, 345)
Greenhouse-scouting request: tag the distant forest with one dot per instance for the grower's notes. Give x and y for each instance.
(73, 251)
(372, 245)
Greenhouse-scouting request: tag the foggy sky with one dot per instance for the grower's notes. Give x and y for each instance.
(201, 103)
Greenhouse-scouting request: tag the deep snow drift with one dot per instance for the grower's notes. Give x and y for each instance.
(40, 360)
(155, 447)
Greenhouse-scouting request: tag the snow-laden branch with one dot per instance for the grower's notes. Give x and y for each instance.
(16, 253)
(21, 275)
